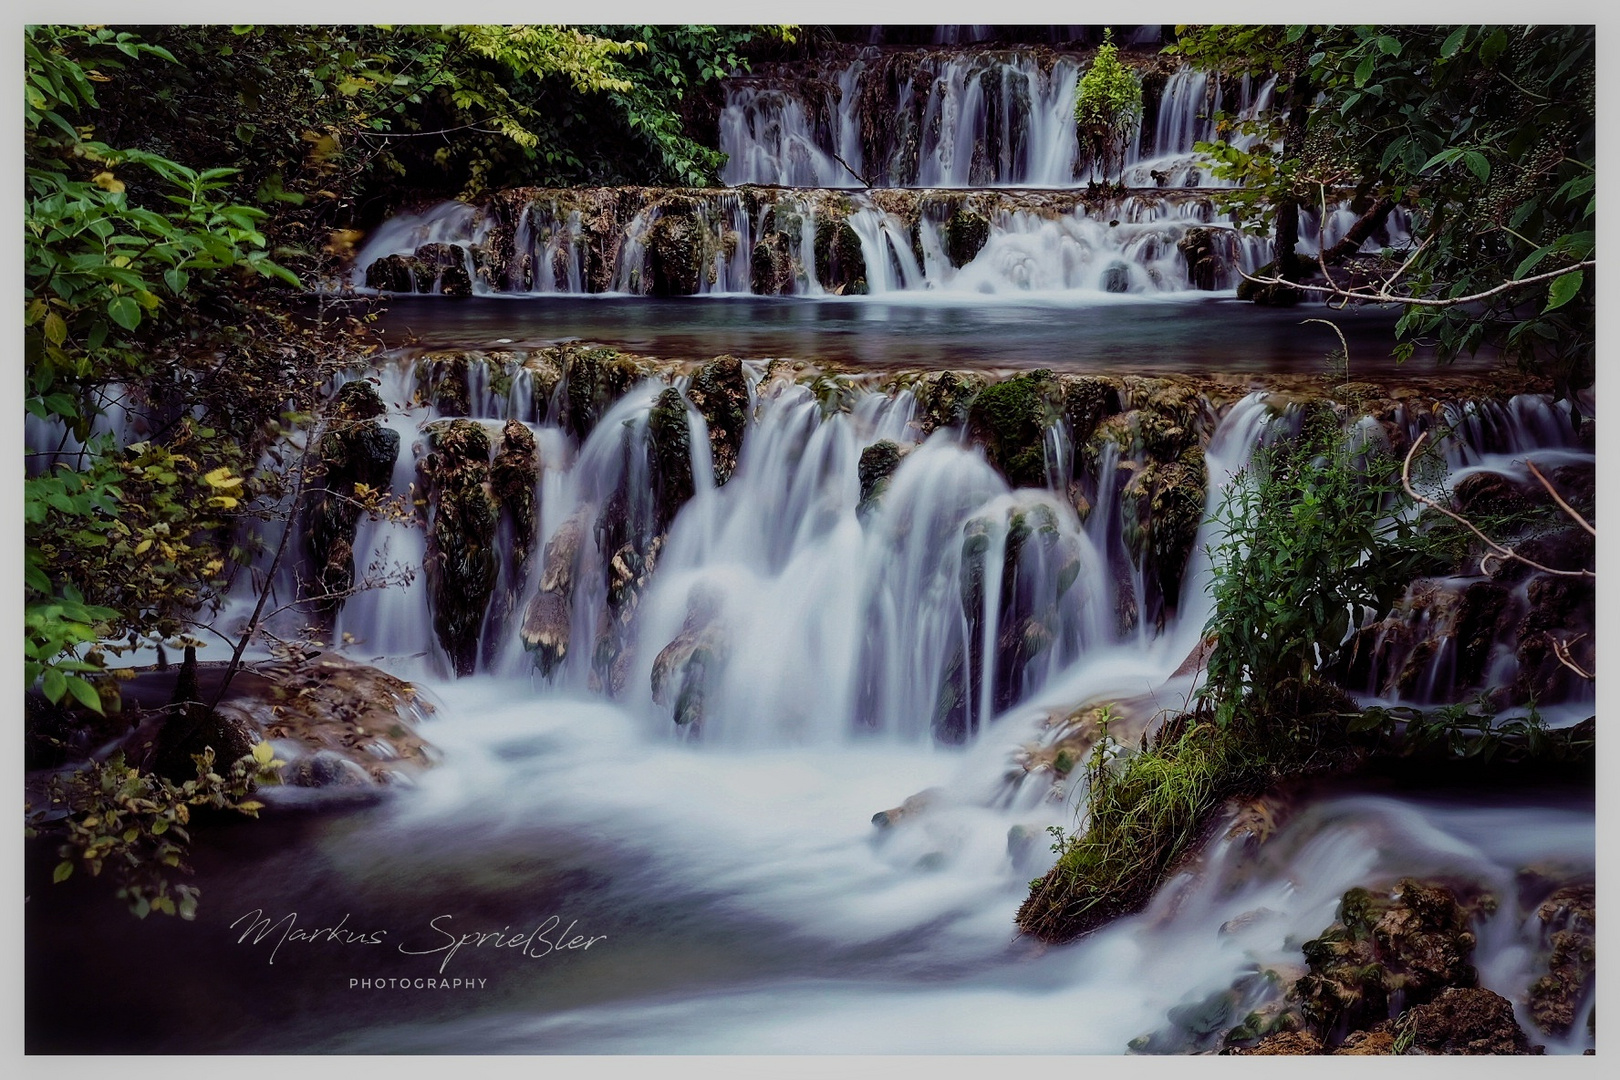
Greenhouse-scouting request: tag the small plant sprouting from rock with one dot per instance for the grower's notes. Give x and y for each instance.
(113, 816)
(1109, 104)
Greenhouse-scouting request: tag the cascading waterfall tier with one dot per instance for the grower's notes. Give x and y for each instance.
(814, 242)
(731, 545)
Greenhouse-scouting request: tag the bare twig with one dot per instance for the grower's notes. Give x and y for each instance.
(1383, 296)
(1498, 552)
(1559, 499)
(1561, 650)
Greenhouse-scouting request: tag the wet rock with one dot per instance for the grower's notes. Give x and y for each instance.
(546, 623)
(461, 561)
(1460, 1020)
(192, 729)
(1481, 613)
(1570, 548)
(913, 806)
(1210, 254)
(326, 769)
(966, 233)
(670, 454)
(719, 392)
(1569, 926)
(1485, 495)
(683, 669)
(1009, 419)
(840, 264)
(1087, 400)
(1116, 278)
(675, 252)
(441, 380)
(514, 477)
(434, 268)
(944, 399)
(1279, 295)
(358, 450)
(1405, 947)
(770, 266)
(596, 377)
(1378, 1039)
(877, 464)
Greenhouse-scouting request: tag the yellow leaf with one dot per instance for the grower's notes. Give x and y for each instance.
(106, 181)
(222, 478)
(55, 329)
(222, 502)
(263, 752)
(140, 548)
(147, 300)
(35, 310)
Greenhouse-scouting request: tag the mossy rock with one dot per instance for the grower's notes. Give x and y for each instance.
(770, 266)
(1209, 254)
(1569, 925)
(943, 399)
(1272, 295)
(675, 253)
(1406, 945)
(1009, 419)
(877, 464)
(719, 392)
(840, 266)
(461, 560)
(670, 451)
(966, 233)
(597, 377)
(1087, 401)
(358, 450)
(514, 477)
(441, 380)
(1464, 1020)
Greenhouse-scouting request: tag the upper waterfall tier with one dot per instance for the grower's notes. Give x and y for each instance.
(815, 242)
(957, 118)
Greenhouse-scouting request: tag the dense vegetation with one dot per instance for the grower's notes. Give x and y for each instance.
(1485, 133)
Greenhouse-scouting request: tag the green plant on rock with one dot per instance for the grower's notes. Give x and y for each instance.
(134, 824)
(1108, 105)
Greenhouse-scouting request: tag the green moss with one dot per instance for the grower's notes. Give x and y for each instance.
(670, 449)
(461, 564)
(1010, 419)
(719, 392)
(966, 233)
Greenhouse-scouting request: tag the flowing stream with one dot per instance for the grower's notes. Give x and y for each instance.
(726, 876)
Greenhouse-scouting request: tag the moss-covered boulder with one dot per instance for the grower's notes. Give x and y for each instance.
(461, 562)
(357, 450)
(441, 381)
(1009, 419)
(434, 268)
(966, 233)
(770, 266)
(1087, 401)
(719, 392)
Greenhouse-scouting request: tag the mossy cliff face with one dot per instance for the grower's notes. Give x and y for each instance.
(357, 450)
(462, 557)
(1010, 418)
(719, 391)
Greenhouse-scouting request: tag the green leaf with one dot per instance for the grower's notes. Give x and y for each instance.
(1478, 165)
(1364, 70)
(1563, 290)
(124, 311)
(1454, 42)
(54, 685)
(85, 694)
(63, 871)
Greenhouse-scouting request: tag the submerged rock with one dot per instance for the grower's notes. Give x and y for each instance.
(877, 464)
(434, 268)
(966, 233)
(683, 669)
